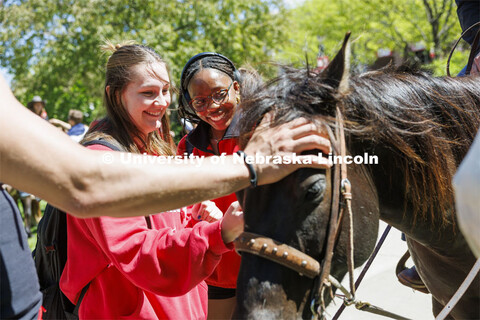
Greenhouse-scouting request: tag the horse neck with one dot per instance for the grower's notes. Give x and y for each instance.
(388, 180)
(420, 130)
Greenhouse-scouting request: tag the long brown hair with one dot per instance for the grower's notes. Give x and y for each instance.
(117, 125)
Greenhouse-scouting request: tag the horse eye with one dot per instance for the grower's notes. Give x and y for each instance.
(314, 191)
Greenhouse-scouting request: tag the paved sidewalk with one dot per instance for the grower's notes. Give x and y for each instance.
(381, 288)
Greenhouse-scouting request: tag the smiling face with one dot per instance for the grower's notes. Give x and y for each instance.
(147, 96)
(204, 84)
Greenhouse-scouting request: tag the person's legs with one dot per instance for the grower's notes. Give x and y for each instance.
(409, 276)
(221, 308)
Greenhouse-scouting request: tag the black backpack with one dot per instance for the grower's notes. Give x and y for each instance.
(50, 256)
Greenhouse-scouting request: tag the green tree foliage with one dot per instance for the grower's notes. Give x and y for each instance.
(52, 47)
(375, 24)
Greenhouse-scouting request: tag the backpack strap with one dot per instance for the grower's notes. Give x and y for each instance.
(102, 142)
(82, 294)
(189, 147)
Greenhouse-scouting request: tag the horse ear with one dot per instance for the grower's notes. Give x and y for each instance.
(338, 70)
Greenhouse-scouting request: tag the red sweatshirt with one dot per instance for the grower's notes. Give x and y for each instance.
(141, 272)
(225, 275)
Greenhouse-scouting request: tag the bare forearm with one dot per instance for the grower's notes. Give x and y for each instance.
(85, 186)
(48, 164)
(133, 189)
(37, 158)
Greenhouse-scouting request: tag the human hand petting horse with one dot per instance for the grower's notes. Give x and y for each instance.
(420, 128)
(287, 140)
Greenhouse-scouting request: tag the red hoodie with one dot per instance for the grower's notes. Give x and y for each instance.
(138, 271)
(225, 275)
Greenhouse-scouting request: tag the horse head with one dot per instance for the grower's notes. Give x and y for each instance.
(418, 126)
(297, 211)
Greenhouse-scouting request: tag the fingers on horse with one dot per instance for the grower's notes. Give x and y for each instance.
(313, 161)
(297, 123)
(312, 142)
(267, 118)
(305, 130)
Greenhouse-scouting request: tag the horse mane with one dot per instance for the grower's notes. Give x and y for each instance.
(426, 123)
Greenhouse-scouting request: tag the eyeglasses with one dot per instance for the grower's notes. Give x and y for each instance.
(200, 104)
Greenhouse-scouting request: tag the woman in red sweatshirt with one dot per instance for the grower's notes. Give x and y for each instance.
(149, 267)
(210, 94)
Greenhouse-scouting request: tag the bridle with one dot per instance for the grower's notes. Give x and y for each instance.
(307, 266)
(300, 262)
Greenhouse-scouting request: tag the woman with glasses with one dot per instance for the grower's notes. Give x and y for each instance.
(210, 94)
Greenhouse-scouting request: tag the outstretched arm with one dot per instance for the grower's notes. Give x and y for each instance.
(38, 158)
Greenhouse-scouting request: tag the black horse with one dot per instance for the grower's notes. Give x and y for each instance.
(420, 128)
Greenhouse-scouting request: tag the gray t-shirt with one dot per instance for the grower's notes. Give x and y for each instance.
(20, 296)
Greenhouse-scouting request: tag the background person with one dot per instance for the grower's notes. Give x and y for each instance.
(74, 127)
(78, 129)
(468, 13)
(37, 106)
